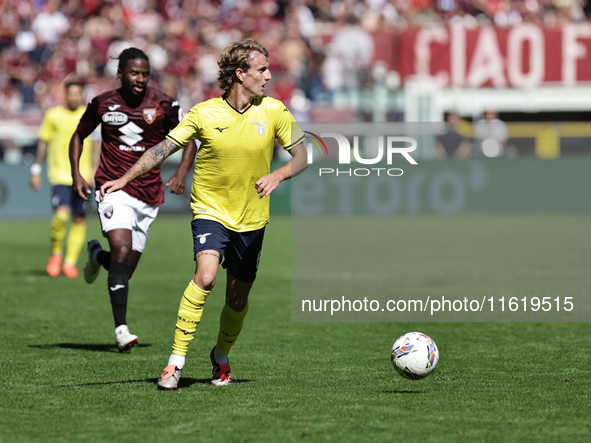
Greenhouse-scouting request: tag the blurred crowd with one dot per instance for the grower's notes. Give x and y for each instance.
(42, 42)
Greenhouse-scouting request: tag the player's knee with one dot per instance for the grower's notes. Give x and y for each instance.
(205, 280)
(63, 211)
(120, 252)
(237, 304)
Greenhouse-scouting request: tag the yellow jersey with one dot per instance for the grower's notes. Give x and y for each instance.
(59, 124)
(236, 150)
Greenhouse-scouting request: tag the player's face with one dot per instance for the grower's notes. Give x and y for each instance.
(257, 76)
(73, 97)
(134, 78)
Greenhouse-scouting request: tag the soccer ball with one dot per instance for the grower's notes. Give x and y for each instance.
(415, 355)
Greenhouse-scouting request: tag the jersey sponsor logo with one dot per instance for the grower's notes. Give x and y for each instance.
(221, 129)
(150, 115)
(115, 118)
(108, 213)
(132, 149)
(260, 126)
(202, 237)
(131, 134)
(112, 108)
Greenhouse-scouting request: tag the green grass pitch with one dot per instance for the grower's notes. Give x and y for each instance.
(62, 379)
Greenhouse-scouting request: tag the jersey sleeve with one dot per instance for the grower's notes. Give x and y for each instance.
(288, 132)
(47, 127)
(175, 115)
(89, 120)
(186, 130)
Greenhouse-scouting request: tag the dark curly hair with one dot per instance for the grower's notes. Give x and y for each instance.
(235, 56)
(130, 54)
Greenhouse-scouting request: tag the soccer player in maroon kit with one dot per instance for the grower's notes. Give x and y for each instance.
(133, 118)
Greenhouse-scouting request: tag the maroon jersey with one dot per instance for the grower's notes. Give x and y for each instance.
(127, 133)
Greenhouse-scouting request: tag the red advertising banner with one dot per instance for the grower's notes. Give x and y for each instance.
(522, 56)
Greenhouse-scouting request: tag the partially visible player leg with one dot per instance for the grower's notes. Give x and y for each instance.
(75, 242)
(57, 232)
(76, 236)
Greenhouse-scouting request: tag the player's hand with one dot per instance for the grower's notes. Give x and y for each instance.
(177, 183)
(81, 187)
(111, 186)
(35, 182)
(267, 184)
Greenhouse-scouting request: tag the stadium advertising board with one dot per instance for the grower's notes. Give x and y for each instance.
(521, 56)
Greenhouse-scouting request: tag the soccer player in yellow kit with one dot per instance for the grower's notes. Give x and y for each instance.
(55, 133)
(231, 183)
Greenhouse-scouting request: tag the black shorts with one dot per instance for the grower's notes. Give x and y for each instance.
(63, 195)
(241, 251)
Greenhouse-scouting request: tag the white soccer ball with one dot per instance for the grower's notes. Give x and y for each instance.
(415, 355)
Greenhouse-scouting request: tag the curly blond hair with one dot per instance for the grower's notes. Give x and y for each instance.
(237, 56)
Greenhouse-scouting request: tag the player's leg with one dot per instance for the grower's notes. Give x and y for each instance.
(242, 261)
(76, 236)
(133, 260)
(125, 222)
(189, 315)
(97, 256)
(209, 240)
(231, 321)
(58, 228)
(128, 253)
(120, 243)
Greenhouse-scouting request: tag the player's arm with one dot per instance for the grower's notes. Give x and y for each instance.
(35, 178)
(88, 122)
(148, 161)
(80, 186)
(96, 157)
(298, 163)
(178, 180)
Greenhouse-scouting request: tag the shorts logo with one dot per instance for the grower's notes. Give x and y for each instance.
(150, 115)
(202, 238)
(260, 126)
(108, 213)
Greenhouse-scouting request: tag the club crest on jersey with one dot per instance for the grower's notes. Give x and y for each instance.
(202, 238)
(150, 115)
(260, 126)
(108, 213)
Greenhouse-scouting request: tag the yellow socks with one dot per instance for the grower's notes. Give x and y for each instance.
(189, 316)
(230, 326)
(76, 239)
(57, 232)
